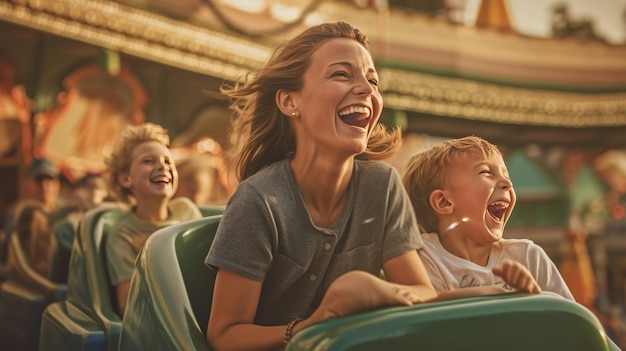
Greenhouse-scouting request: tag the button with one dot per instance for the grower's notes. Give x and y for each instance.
(313, 277)
(327, 246)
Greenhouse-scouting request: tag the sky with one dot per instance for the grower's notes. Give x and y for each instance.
(532, 17)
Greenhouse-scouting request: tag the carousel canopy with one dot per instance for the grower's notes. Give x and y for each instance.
(444, 77)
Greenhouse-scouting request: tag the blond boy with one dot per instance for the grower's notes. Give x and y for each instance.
(463, 196)
(144, 175)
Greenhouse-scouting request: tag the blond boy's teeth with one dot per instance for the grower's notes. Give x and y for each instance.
(500, 204)
(160, 179)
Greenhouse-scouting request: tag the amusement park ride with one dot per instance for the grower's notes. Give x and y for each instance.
(94, 66)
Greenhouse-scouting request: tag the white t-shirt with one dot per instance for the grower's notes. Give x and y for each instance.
(449, 272)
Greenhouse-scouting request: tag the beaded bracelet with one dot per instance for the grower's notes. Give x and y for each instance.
(289, 329)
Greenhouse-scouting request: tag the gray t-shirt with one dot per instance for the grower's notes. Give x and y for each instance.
(266, 234)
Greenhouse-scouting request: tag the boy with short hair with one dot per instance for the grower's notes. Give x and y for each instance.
(462, 196)
(143, 174)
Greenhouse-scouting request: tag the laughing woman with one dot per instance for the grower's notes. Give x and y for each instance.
(315, 217)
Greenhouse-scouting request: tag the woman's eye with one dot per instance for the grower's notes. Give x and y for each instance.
(340, 74)
(373, 82)
(485, 171)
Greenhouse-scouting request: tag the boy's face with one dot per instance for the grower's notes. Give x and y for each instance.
(481, 197)
(152, 172)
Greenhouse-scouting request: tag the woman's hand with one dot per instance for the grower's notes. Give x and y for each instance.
(358, 291)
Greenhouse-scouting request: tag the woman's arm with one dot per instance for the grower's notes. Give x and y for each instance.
(356, 292)
(407, 270)
(231, 322)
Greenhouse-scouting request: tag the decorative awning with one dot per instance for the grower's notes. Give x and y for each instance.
(442, 71)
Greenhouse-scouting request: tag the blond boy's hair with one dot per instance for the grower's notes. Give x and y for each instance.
(122, 156)
(427, 171)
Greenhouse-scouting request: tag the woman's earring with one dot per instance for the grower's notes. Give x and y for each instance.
(294, 114)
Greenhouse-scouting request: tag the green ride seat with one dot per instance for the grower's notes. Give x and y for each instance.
(65, 327)
(20, 316)
(211, 210)
(171, 289)
(23, 297)
(91, 300)
(514, 321)
(64, 232)
(22, 273)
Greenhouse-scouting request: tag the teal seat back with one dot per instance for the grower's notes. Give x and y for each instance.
(23, 274)
(502, 322)
(192, 248)
(211, 210)
(64, 231)
(20, 316)
(23, 297)
(171, 289)
(88, 287)
(66, 328)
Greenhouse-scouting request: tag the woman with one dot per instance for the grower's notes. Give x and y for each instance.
(314, 218)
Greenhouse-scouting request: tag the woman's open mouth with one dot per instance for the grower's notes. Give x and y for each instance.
(356, 116)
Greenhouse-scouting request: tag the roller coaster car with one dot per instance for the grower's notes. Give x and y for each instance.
(514, 321)
(170, 301)
(87, 319)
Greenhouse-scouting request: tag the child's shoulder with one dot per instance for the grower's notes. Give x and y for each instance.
(182, 207)
(517, 243)
(431, 242)
(430, 236)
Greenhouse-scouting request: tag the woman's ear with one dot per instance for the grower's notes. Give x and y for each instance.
(124, 180)
(286, 103)
(439, 202)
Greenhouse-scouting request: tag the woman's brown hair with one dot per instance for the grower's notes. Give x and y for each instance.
(261, 135)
